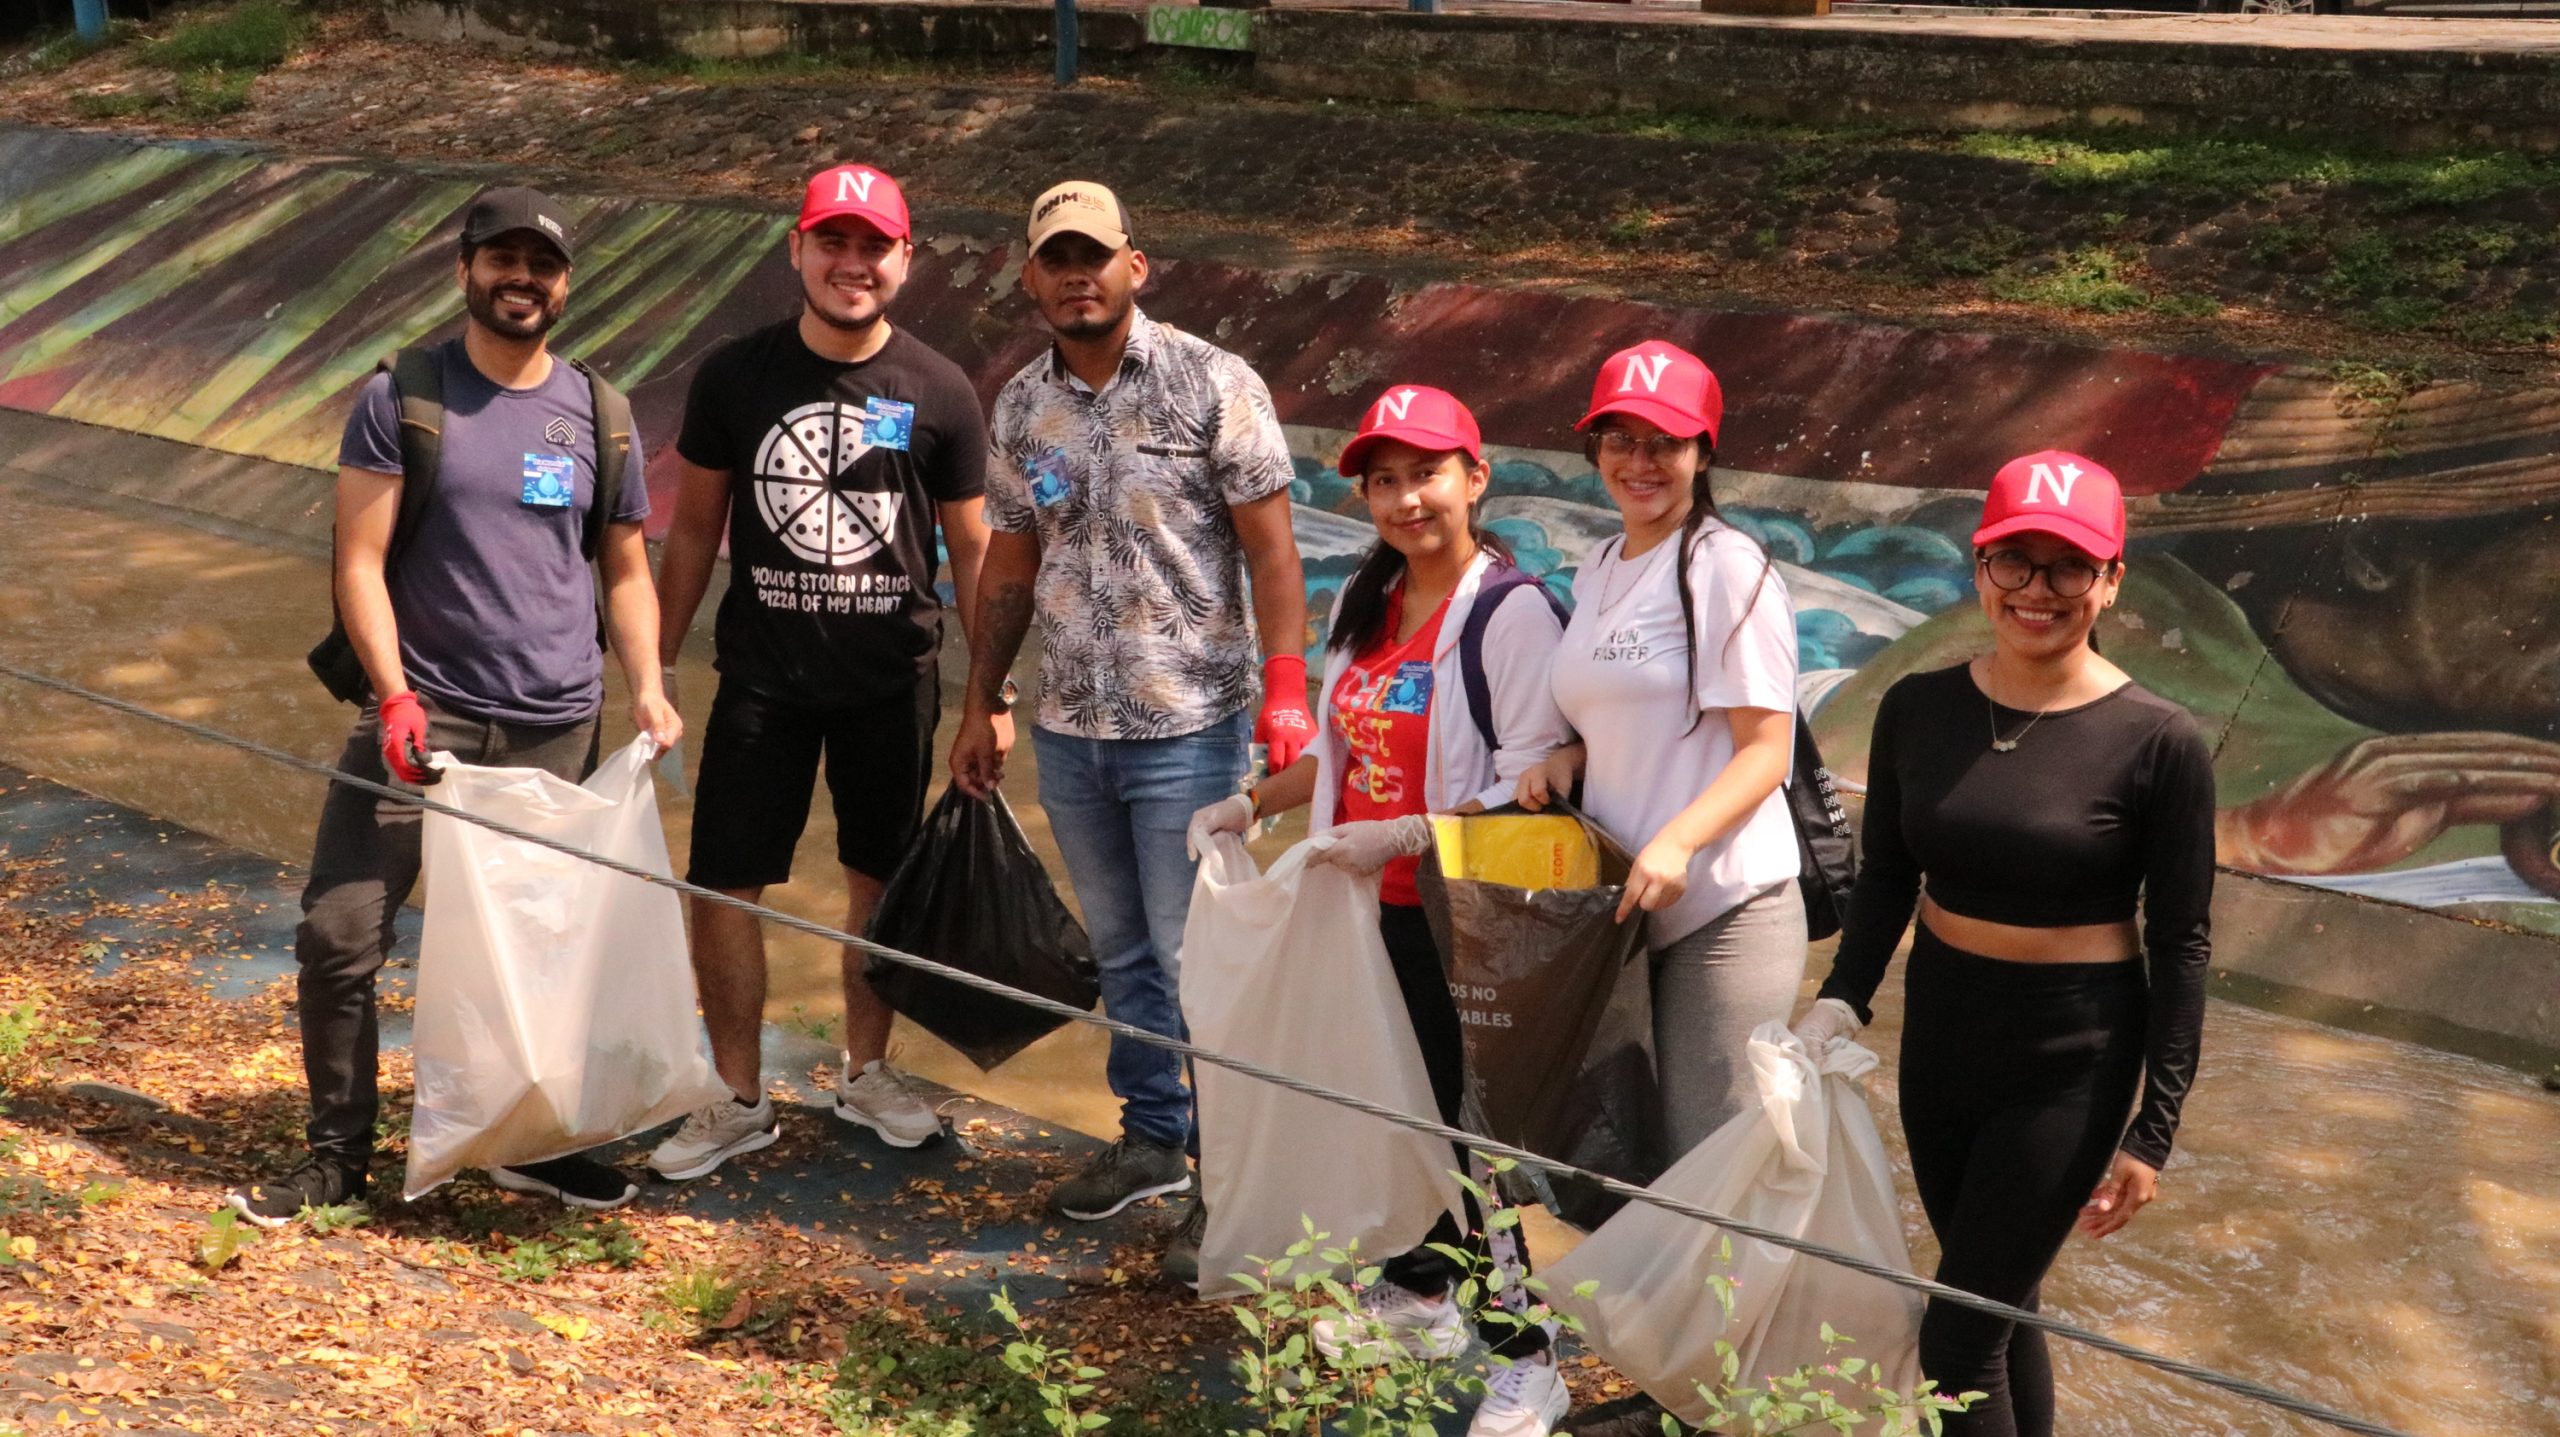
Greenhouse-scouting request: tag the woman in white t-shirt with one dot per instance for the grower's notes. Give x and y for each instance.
(1678, 674)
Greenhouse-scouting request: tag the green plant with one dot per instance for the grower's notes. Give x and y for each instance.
(1291, 1388)
(1061, 1381)
(20, 1023)
(2398, 314)
(573, 1242)
(2361, 263)
(1288, 1390)
(1842, 1394)
(1631, 226)
(819, 1027)
(941, 1377)
(2270, 243)
(336, 1217)
(2093, 279)
(701, 1294)
(225, 1237)
(254, 35)
(2506, 327)
(211, 94)
(31, 1042)
(65, 50)
(114, 104)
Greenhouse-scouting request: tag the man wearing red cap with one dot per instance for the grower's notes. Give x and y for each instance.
(1139, 474)
(825, 448)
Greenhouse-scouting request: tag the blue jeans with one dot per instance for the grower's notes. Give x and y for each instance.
(1119, 808)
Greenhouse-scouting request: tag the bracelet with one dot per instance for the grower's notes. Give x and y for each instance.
(1253, 797)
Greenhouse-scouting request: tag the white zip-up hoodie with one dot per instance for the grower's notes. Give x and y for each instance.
(1519, 644)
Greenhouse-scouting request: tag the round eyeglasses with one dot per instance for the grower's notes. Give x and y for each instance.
(2068, 577)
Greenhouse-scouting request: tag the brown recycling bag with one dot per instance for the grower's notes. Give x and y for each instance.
(1554, 995)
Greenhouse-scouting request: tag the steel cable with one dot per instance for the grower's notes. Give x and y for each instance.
(2237, 1386)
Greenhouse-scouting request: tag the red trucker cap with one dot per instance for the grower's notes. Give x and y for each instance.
(1664, 384)
(856, 190)
(1419, 415)
(2050, 492)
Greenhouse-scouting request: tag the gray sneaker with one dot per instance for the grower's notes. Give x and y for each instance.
(1128, 1171)
(1181, 1261)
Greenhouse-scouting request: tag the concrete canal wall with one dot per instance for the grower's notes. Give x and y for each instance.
(2349, 587)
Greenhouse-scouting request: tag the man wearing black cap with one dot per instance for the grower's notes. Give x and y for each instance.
(472, 614)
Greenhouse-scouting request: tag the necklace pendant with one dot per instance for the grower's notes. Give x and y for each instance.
(2004, 745)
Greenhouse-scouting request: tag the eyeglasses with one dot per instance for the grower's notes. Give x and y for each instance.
(2068, 577)
(1660, 448)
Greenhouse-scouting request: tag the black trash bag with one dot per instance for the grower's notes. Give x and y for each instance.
(1554, 999)
(972, 894)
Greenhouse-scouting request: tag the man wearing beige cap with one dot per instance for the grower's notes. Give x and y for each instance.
(1138, 476)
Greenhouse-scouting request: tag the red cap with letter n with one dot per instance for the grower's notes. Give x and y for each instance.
(859, 191)
(2050, 492)
(1662, 384)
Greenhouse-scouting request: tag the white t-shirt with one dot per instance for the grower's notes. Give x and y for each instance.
(1621, 676)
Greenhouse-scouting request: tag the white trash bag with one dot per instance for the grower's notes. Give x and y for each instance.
(555, 998)
(1286, 970)
(1806, 1162)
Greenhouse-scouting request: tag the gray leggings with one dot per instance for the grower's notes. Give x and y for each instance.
(1710, 989)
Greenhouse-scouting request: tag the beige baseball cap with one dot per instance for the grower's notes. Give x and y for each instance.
(1081, 207)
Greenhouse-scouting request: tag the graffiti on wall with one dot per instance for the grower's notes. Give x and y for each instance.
(2363, 624)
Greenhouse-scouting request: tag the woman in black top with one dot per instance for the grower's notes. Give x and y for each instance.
(2040, 793)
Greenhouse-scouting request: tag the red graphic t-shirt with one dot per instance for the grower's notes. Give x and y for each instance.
(1382, 709)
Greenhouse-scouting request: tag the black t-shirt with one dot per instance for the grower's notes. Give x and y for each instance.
(834, 473)
(2097, 807)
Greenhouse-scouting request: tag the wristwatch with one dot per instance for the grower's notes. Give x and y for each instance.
(1006, 696)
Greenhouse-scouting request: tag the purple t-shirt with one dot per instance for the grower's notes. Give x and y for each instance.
(496, 608)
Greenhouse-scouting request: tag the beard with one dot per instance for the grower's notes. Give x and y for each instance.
(1097, 327)
(482, 302)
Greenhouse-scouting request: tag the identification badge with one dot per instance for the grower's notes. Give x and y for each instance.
(888, 423)
(550, 481)
(1048, 476)
(1409, 692)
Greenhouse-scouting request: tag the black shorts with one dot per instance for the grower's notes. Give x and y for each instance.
(760, 765)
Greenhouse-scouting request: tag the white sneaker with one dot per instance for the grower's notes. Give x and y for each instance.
(878, 1098)
(1390, 1320)
(716, 1132)
(1526, 1399)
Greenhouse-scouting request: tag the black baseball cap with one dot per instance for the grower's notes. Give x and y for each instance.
(503, 211)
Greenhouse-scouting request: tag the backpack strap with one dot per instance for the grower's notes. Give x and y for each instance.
(417, 386)
(1498, 583)
(613, 456)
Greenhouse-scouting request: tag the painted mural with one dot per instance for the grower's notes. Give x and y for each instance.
(2352, 592)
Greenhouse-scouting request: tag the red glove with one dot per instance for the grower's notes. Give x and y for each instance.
(404, 739)
(1285, 728)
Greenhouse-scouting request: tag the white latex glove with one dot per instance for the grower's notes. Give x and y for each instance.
(1232, 814)
(1369, 846)
(1828, 1019)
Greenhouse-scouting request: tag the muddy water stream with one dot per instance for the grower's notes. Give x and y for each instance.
(2370, 1223)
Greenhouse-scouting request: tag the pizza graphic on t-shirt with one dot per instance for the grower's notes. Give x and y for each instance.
(797, 467)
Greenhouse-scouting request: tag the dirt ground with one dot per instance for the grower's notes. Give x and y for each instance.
(2449, 262)
(804, 1291)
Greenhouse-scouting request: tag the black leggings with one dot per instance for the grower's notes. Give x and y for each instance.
(2017, 1082)
(1424, 980)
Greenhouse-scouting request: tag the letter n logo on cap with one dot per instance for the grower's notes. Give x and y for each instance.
(854, 186)
(1644, 369)
(1397, 402)
(2042, 475)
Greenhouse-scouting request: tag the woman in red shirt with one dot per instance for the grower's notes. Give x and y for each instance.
(1399, 739)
